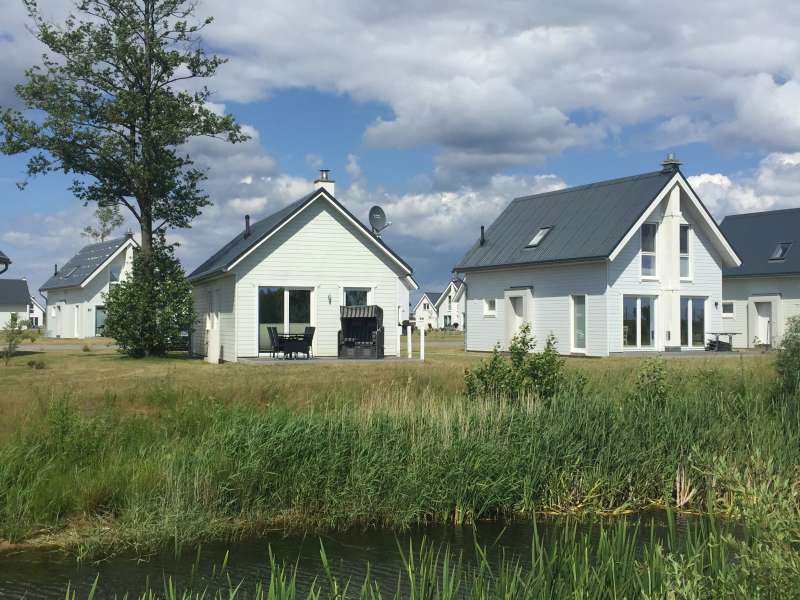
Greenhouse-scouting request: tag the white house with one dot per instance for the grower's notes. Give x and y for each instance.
(760, 296)
(36, 313)
(631, 264)
(424, 312)
(76, 293)
(14, 298)
(450, 307)
(293, 269)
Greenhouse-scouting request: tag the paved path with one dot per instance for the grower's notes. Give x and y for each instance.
(56, 347)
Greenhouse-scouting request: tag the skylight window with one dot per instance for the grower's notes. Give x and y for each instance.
(781, 250)
(540, 235)
(70, 272)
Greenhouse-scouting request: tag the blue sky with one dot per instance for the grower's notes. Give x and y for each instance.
(442, 114)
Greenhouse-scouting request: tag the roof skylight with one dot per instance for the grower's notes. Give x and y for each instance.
(69, 272)
(540, 235)
(781, 250)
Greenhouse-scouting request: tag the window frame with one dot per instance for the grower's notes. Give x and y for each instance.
(690, 300)
(782, 257)
(356, 289)
(489, 312)
(730, 315)
(539, 236)
(643, 253)
(573, 348)
(638, 319)
(688, 254)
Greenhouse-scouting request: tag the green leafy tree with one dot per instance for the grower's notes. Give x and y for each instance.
(12, 334)
(112, 107)
(148, 311)
(108, 219)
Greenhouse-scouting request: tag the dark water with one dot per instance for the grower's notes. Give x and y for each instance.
(46, 574)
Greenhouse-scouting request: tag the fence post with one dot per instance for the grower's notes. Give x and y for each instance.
(422, 343)
(399, 332)
(408, 340)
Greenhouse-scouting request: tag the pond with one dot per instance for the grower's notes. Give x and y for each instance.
(46, 574)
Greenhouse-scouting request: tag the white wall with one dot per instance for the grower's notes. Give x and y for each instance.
(6, 311)
(552, 306)
(741, 290)
(452, 309)
(425, 316)
(321, 250)
(222, 305)
(68, 305)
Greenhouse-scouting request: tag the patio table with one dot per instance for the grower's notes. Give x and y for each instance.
(716, 335)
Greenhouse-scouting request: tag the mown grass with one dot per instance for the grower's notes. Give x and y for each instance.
(187, 465)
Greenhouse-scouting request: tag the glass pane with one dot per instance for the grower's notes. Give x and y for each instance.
(647, 321)
(99, 320)
(684, 321)
(727, 308)
(270, 314)
(579, 319)
(648, 265)
(629, 321)
(649, 237)
(684, 239)
(684, 266)
(698, 322)
(299, 310)
(113, 274)
(355, 297)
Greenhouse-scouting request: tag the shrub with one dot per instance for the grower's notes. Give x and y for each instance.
(788, 360)
(525, 371)
(148, 311)
(12, 334)
(37, 364)
(86, 348)
(651, 380)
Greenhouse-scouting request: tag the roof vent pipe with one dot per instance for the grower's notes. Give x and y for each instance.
(55, 269)
(670, 164)
(483, 236)
(247, 226)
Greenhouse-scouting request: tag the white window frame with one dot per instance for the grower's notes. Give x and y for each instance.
(489, 312)
(730, 315)
(356, 289)
(689, 332)
(654, 253)
(688, 255)
(574, 348)
(655, 337)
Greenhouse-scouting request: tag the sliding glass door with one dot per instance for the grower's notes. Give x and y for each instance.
(287, 310)
(639, 321)
(693, 322)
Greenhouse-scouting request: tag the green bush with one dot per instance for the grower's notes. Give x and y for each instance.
(651, 380)
(525, 372)
(788, 361)
(12, 335)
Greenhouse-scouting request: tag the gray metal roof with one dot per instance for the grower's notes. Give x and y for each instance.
(432, 296)
(587, 222)
(754, 237)
(4, 260)
(14, 292)
(231, 251)
(83, 264)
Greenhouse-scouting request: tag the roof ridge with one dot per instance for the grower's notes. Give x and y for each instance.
(757, 213)
(591, 185)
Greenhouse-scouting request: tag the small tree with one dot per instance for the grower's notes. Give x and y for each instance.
(788, 361)
(12, 334)
(151, 308)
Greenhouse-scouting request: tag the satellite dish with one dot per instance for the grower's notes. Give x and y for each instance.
(377, 218)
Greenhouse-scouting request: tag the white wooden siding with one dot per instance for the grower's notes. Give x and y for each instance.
(551, 312)
(739, 290)
(320, 250)
(223, 290)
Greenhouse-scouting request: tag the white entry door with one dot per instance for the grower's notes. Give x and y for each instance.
(763, 329)
(517, 311)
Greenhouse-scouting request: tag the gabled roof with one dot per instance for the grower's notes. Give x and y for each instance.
(755, 236)
(431, 296)
(4, 260)
(14, 292)
(587, 221)
(452, 285)
(38, 303)
(232, 252)
(85, 263)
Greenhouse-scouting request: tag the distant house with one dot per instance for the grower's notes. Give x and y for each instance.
(425, 316)
(450, 307)
(296, 268)
(760, 296)
(76, 293)
(625, 265)
(14, 299)
(36, 313)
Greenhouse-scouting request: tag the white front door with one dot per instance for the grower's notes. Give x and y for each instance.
(763, 328)
(517, 311)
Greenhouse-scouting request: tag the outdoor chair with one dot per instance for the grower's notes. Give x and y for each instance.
(275, 340)
(361, 335)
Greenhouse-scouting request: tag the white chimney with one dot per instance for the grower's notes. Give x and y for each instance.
(325, 182)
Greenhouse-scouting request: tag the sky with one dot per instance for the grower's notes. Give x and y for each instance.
(442, 112)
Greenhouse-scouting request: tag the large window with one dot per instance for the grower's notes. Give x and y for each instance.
(686, 267)
(579, 323)
(356, 296)
(638, 321)
(287, 310)
(649, 249)
(693, 322)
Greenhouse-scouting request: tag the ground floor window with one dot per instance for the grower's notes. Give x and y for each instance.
(356, 296)
(638, 321)
(34, 322)
(728, 310)
(579, 323)
(448, 320)
(287, 310)
(693, 322)
(99, 320)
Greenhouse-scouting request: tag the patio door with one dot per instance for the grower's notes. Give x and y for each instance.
(288, 310)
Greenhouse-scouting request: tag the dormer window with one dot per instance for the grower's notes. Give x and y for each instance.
(781, 250)
(540, 235)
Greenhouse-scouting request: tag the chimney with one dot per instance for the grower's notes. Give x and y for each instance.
(483, 236)
(670, 164)
(247, 226)
(325, 182)
(55, 269)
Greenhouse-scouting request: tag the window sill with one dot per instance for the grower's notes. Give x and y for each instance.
(687, 279)
(490, 315)
(650, 278)
(728, 316)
